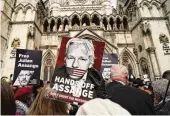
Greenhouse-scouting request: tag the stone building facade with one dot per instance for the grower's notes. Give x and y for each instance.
(7, 8)
(136, 31)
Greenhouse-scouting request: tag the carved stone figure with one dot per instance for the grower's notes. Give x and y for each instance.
(31, 31)
(163, 38)
(16, 42)
(145, 26)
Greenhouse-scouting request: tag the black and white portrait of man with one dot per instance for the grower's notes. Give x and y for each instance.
(106, 73)
(79, 57)
(23, 77)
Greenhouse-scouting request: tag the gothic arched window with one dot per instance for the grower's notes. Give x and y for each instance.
(65, 23)
(125, 24)
(85, 20)
(20, 15)
(58, 24)
(46, 26)
(118, 23)
(48, 67)
(28, 15)
(75, 21)
(126, 62)
(96, 20)
(111, 23)
(52, 24)
(105, 23)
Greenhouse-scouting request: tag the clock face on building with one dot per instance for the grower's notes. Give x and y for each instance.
(80, 1)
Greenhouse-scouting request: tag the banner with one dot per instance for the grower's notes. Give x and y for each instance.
(107, 61)
(76, 66)
(27, 67)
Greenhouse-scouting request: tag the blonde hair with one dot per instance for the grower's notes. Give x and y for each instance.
(45, 106)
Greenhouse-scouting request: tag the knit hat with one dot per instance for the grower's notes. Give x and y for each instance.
(100, 106)
(22, 92)
(118, 70)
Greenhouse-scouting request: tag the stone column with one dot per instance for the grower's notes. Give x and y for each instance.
(81, 23)
(154, 62)
(90, 21)
(101, 23)
(115, 26)
(23, 17)
(135, 51)
(48, 76)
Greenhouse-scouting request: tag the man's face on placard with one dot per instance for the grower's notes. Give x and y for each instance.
(24, 76)
(77, 60)
(106, 73)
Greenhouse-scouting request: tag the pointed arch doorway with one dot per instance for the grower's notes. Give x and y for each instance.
(48, 65)
(129, 60)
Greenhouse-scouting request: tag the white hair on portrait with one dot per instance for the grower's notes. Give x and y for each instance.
(88, 45)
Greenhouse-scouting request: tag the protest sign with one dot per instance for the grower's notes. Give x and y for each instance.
(75, 68)
(27, 67)
(107, 61)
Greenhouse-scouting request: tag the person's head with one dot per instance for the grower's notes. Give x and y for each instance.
(100, 106)
(8, 106)
(24, 95)
(166, 75)
(138, 83)
(46, 106)
(119, 73)
(79, 57)
(24, 76)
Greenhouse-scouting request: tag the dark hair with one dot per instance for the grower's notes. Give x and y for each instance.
(138, 83)
(8, 106)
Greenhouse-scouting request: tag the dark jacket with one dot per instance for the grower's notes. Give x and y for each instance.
(132, 99)
(93, 76)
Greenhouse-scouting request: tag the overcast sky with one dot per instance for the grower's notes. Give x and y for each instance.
(113, 3)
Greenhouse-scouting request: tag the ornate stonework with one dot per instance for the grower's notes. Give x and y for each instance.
(145, 26)
(16, 43)
(151, 50)
(31, 31)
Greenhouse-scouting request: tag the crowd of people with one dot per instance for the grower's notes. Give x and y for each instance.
(122, 98)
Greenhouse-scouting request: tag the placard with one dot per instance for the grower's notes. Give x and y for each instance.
(107, 61)
(75, 70)
(27, 67)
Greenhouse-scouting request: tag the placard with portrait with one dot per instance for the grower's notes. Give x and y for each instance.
(77, 70)
(27, 67)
